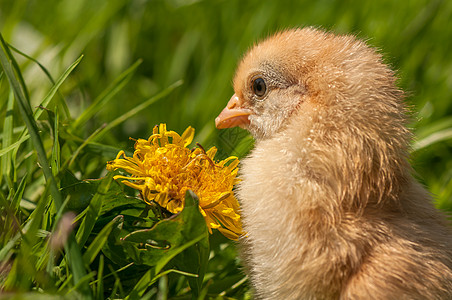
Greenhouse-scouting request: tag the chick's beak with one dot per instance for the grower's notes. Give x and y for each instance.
(233, 114)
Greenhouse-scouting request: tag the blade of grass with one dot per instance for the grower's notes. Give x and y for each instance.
(46, 102)
(11, 243)
(433, 127)
(14, 145)
(7, 140)
(55, 88)
(93, 210)
(100, 279)
(11, 206)
(163, 288)
(17, 129)
(83, 281)
(433, 138)
(149, 294)
(9, 218)
(46, 72)
(113, 273)
(102, 237)
(106, 95)
(27, 117)
(49, 253)
(55, 157)
(137, 109)
(83, 145)
(20, 275)
(117, 285)
(14, 69)
(33, 60)
(73, 253)
(15, 201)
(104, 150)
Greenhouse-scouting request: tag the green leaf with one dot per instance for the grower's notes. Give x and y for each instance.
(80, 192)
(166, 239)
(116, 201)
(195, 260)
(153, 274)
(113, 248)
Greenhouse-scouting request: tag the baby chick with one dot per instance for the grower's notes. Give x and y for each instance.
(329, 203)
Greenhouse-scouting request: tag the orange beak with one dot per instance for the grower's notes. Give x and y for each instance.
(233, 114)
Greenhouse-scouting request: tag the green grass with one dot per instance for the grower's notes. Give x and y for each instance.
(80, 77)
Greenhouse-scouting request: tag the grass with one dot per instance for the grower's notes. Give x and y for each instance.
(75, 84)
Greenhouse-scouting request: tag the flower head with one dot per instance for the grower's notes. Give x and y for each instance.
(162, 168)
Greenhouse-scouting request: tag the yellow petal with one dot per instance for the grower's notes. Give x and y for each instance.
(214, 203)
(136, 186)
(163, 137)
(126, 165)
(211, 223)
(229, 234)
(211, 152)
(175, 138)
(232, 165)
(188, 135)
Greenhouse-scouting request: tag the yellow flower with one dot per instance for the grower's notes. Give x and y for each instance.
(162, 168)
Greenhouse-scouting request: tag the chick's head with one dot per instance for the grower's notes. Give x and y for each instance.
(304, 71)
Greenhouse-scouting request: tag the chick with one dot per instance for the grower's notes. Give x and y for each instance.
(329, 203)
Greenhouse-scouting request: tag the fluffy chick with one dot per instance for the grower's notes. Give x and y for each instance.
(329, 204)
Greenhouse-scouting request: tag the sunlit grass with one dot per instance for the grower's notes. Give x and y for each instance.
(93, 73)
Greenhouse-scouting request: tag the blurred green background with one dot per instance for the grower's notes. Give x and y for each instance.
(200, 42)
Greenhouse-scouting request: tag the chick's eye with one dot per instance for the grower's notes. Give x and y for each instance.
(259, 87)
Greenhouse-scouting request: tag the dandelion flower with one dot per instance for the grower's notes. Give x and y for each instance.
(162, 168)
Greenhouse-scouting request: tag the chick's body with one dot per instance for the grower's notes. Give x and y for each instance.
(329, 204)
